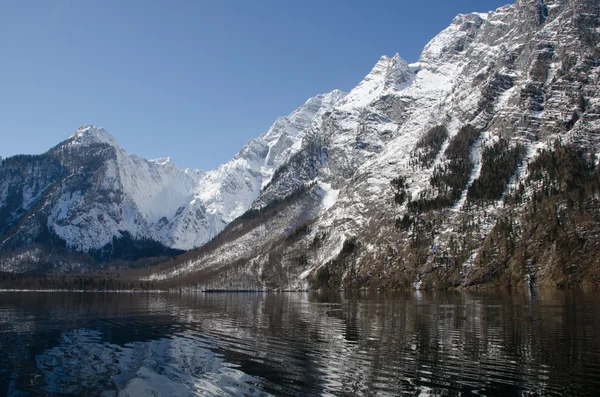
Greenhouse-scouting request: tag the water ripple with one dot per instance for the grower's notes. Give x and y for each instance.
(433, 344)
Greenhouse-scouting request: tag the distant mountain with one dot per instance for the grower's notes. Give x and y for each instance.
(476, 165)
(88, 196)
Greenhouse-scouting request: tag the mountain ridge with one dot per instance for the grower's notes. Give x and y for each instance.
(438, 183)
(119, 196)
(476, 165)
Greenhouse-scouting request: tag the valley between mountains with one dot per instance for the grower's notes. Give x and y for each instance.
(476, 166)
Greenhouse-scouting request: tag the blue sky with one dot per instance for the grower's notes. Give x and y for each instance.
(194, 79)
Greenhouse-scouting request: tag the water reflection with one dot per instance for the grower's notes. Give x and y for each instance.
(308, 344)
(82, 364)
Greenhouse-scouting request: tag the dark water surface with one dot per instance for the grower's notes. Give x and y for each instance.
(300, 344)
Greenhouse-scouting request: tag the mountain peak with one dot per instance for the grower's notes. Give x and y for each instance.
(389, 73)
(326, 100)
(332, 97)
(89, 134)
(387, 61)
(162, 160)
(300, 119)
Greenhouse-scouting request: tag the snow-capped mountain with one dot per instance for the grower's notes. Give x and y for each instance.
(478, 163)
(141, 194)
(227, 192)
(87, 195)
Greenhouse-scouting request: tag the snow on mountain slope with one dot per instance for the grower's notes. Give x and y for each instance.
(285, 136)
(228, 191)
(131, 194)
(329, 153)
(476, 163)
(99, 193)
(407, 204)
(483, 71)
(388, 75)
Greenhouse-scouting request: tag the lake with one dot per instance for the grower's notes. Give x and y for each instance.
(300, 344)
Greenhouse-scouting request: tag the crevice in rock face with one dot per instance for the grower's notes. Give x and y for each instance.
(535, 11)
(542, 11)
(498, 84)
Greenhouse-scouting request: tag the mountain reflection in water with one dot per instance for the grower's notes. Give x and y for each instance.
(300, 344)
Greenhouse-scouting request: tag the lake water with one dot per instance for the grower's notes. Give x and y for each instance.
(300, 344)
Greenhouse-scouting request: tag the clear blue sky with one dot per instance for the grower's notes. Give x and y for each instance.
(194, 79)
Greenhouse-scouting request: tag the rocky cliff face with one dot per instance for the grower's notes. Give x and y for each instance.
(478, 164)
